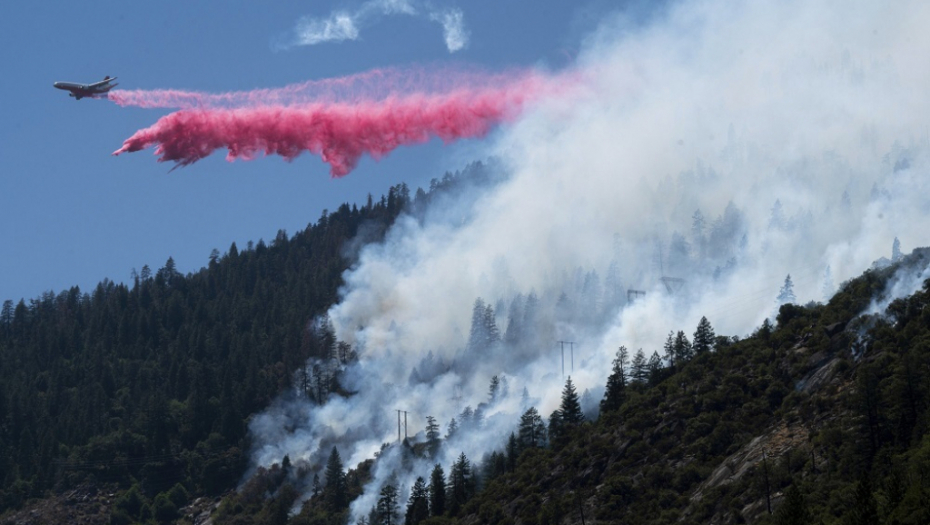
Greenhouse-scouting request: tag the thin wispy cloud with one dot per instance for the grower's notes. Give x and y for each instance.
(338, 27)
(453, 28)
(341, 25)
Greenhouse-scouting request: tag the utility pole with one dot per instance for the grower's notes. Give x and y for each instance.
(398, 424)
(571, 346)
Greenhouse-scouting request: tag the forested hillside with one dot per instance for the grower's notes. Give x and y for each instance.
(145, 391)
(819, 418)
(822, 418)
(151, 384)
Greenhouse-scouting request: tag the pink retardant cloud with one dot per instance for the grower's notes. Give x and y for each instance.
(340, 133)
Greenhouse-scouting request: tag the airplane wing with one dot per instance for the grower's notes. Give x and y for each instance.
(102, 82)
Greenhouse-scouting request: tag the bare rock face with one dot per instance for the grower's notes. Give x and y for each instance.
(87, 504)
(833, 329)
(818, 377)
(200, 511)
(774, 443)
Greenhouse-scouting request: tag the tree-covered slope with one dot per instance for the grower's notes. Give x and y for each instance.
(153, 381)
(819, 418)
(146, 390)
(151, 384)
(822, 418)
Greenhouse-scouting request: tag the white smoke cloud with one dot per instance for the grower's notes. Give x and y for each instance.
(719, 106)
(453, 28)
(338, 27)
(342, 25)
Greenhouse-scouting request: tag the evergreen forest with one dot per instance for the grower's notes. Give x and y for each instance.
(139, 397)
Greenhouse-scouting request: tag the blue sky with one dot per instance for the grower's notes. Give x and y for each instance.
(73, 214)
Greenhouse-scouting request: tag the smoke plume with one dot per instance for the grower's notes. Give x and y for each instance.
(339, 132)
(716, 150)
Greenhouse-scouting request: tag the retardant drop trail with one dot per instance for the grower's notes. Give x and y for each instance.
(340, 133)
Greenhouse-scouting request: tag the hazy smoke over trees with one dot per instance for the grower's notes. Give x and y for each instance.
(712, 153)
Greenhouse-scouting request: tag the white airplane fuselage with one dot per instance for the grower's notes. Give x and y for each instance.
(79, 91)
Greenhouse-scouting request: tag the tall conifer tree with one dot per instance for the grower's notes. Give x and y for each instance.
(418, 505)
(614, 395)
(704, 337)
(571, 407)
(437, 491)
(336, 491)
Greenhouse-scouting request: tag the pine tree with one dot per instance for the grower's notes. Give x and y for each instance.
(613, 289)
(387, 505)
(513, 451)
(532, 429)
(682, 348)
(478, 336)
(336, 491)
(467, 418)
(477, 418)
(896, 254)
(432, 436)
(514, 332)
(437, 491)
(491, 331)
(704, 337)
(639, 368)
(452, 429)
(316, 488)
(697, 231)
(493, 467)
(655, 367)
(494, 389)
(6, 314)
(460, 481)
(615, 393)
(786, 294)
(589, 407)
(669, 349)
(418, 504)
(556, 428)
(570, 407)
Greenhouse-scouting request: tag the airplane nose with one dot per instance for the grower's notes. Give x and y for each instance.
(57, 84)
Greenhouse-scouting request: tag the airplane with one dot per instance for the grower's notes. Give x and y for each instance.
(79, 91)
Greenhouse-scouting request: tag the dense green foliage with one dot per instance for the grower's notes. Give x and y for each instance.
(153, 381)
(149, 385)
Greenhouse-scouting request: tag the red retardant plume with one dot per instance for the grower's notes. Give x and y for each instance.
(339, 132)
